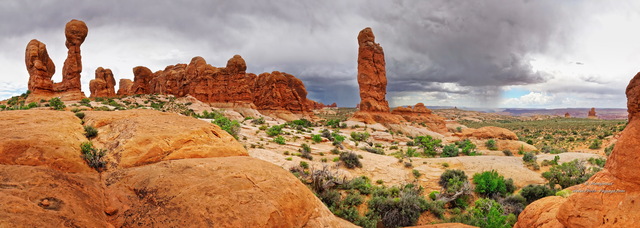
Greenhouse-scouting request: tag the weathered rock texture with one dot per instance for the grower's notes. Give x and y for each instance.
(372, 75)
(611, 197)
(488, 132)
(42, 138)
(270, 92)
(104, 84)
(41, 67)
(124, 87)
(567, 115)
(592, 114)
(164, 170)
(421, 114)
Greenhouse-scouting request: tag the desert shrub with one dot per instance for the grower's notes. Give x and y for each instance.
(80, 115)
(466, 147)
(534, 192)
(507, 153)
(230, 126)
(513, 204)
(401, 210)
(350, 160)
(489, 213)
(361, 183)
(453, 180)
(529, 157)
(90, 132)
(280, 140)
(428, 144)
(609, 149)
(595, 144)
(275, 130)
(491, 144)
(316, 138)
(373, 150)
(299, 124)
(304, 165)
(85, 102)
(330, 197)
(56, 104)
(258, 121)
(416, 173)
(334, 123)
(564, 193)
(600, 162)
(359, 136)
(490, 183)
(93, 156)
(567, 174)
(449, 151)
(433, 195)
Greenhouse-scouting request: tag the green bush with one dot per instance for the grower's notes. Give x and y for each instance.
(567, 174)
(564, 193)
(400, 211)
(529, 157)
(359, 136)
(453, 180)
(275, 130)
(609, 149)
(490, 183)
(489, 213)
(350, 160)
(416, 173)
(80, 115)
(258, 121)
(491, 144)
(600, 162)
(428, 144)
(373, 150)
(534, 192)
(280, 140)
(90, 132)
(467, 147)
(56, 104)
(316, 138)
(596, 144)
(304, 165)
(85, 102)
(93, 156)
(449, 151)
(507, 153)
(305, 151)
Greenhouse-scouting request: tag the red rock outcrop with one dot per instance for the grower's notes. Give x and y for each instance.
(41, 67)
(610, 197)
(154, 177)
(421, 114)
(141, 78)
(280, 91)
(124, 87)
(104, 84)
(488, 132)
(592, 114)
(372, 75)
(567, 115)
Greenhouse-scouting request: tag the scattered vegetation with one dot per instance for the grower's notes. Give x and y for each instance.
(350, 160)
(93, 156)
(90, 132)
(56, 104)
(491, 144)
(280, 140)
(492, 184)
(534, 192)
(568, 174)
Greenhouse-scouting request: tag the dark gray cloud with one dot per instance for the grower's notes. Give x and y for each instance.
(474, 47)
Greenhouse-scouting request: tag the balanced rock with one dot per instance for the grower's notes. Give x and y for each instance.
(75, 31)
(372, 75)
(610, 197)
(124, 87)
(104, 84)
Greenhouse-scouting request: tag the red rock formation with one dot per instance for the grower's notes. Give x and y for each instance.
(333, 105)
(141, 78)
(280, 91)
(592, 114)
(372, 77)
(610, 197)
(421, 114)
(124, 87)
(104, 84)
(567, 115)
(41, 67)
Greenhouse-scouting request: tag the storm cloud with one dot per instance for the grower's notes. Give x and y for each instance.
(468, 50)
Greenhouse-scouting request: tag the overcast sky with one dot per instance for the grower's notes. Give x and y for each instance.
(508, 53)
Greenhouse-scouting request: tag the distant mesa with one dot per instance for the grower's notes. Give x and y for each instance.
(372, 81)
(592, 114)
(41, 67)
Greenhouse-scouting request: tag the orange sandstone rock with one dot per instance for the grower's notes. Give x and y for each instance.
(124, 87)
(421, 114)
(489, 132)
(104, 84)
(372, 77)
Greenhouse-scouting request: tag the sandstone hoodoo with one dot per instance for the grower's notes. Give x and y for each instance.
(41, 67)
(592, 114)
(124, 87)
(567, 115)
(610, 197)
(372, 75)
(104, 84)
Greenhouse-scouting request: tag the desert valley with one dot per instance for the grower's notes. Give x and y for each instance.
(195, 145)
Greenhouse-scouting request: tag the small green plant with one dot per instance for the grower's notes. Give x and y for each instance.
(445, 165)
(85, 102)
(90, 132)
(275, 130)
(416, 173)
(564, 193)
(304, 165)
(359, 136)
(316, 138)
(80, 115)
(230, 126)
(529, 157)
(491, 144)
(490, 183)
(350, 160)
(596, 144)
(507, 153)
(56, 104)
(449, 151)
(534, 192)
(280, 140)
(93, 156)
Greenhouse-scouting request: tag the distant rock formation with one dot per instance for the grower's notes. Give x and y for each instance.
(372, 81)
(567, 115)
(41, 67)
(124, 87)
(372, 75)
(104, 84)
(610, 197)
(592, 114)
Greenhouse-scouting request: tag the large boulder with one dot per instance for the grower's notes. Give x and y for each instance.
(104, 84)
(488, 132)
(138, 137)
(42, 138)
